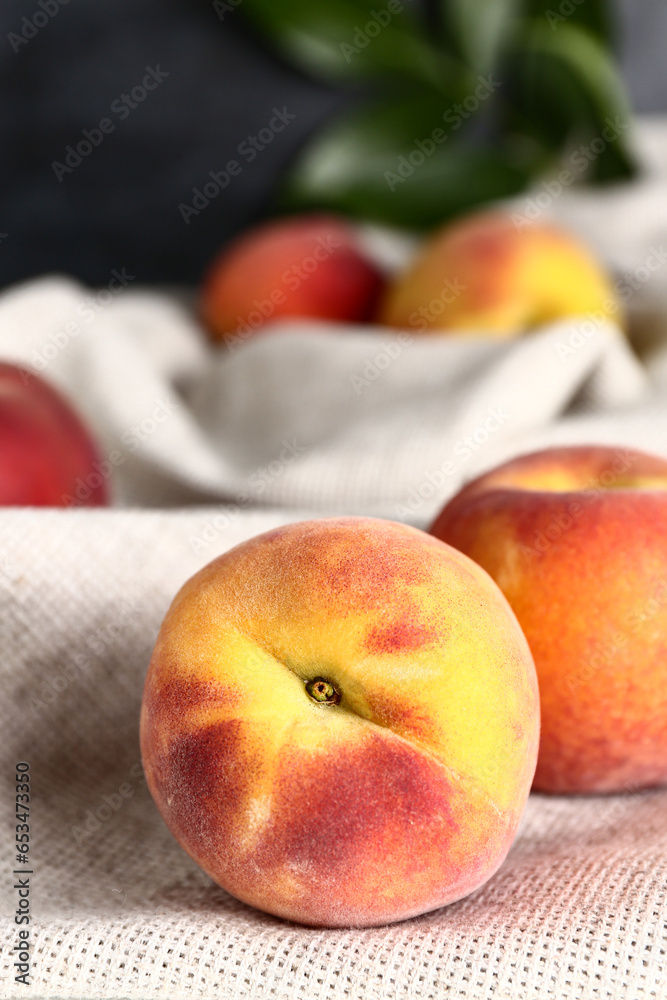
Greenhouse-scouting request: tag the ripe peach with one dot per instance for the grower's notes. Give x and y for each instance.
(576, 538)
(481, 274)
(45, 450)
(307, 266)
(340, 722)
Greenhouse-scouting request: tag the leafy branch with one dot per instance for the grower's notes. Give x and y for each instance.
(468, 110)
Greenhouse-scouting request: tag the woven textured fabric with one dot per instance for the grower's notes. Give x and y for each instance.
(204, 449)
(577, 910)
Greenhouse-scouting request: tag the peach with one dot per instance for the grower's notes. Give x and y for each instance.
(576, 538)
(340, 722)
(482, 274)
(303, 266)
(45, 449)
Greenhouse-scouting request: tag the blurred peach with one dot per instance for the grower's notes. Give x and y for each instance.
(300, 266)
(46, 452)
(482, 274)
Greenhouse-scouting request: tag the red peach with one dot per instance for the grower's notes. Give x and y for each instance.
(576, 538)
(45, 450)
(303, 266)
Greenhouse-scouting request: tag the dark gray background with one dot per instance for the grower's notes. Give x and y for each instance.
(119, 208)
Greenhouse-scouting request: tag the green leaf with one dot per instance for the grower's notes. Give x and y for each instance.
(567, 91)
(594, 15)
(348, 39)
(476, 30)
(390, 163)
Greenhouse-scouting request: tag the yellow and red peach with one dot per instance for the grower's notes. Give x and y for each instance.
(576, 538)
(482, 274)
(340, 722)
(302, 266)
(46, 453)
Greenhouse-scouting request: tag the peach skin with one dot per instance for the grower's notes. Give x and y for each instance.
(300, 266)
(47, 455)
(576, 538)
(482, 275)
(340, 722)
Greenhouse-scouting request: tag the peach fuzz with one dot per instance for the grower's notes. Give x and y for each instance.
(301, 266)
(481, 274)
(576, 538)
(340, 722)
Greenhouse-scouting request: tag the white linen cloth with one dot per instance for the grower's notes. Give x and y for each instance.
(204, 448)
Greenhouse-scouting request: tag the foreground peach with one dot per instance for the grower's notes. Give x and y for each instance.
(577, 540)
(481, 274)
(340, 722)
(304, 266)
(47, 456)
